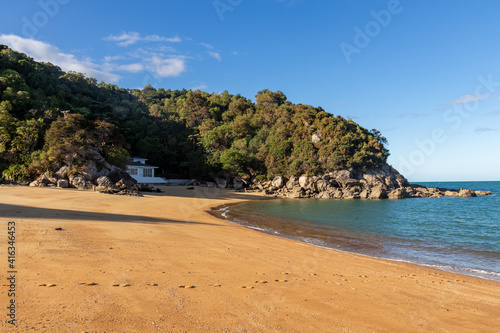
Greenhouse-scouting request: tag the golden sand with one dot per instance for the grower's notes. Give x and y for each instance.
(161, 263)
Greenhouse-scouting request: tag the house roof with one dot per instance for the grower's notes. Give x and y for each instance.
(138, 164)
(138, 158)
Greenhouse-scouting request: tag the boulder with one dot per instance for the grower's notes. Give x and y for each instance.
(323, 195)
(62, 172)
(79, 182)
(89, 171)
(278, 182)
(315, 138)
(450, 193)
(336, 193)
(297, 192)
(35, 183)
(364, 194)
(304, 181)
(44, 179)
(396, 194)
(378, 193)
(348, 194)
(104, 181)
(116, 174)
(312, 186)
(466, 193)
(341, 174)
(63, 183)
(107, 189)
(221, 182)
(211, 184)
(373, 177)
(483, 192)
(322, 185)
(292, 182)
(101, 173)
(121, 184)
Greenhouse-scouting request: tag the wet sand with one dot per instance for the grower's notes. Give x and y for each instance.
(161, 263)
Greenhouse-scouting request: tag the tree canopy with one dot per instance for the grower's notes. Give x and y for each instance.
(49, 117)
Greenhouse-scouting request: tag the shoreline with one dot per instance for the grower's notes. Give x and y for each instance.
(316, 237)
(177, 268)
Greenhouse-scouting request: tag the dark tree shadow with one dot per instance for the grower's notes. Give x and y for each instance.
(8, 211)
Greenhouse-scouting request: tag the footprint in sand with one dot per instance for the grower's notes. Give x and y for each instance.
(283, 273)
(88, 284)
(187, 287)
(47, 285)
(313, 274)
(216, 285)
(153, 284)
(247, 287)
(260, 281)
(122, 285)
(281, 280)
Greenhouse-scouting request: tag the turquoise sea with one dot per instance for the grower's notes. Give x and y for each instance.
(455, 234)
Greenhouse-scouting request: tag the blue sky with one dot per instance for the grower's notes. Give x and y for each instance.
(425, 73)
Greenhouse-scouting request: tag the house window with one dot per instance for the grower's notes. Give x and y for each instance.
(148, 172)
(133, 171)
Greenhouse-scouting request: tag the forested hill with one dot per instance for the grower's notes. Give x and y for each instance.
(49, 118)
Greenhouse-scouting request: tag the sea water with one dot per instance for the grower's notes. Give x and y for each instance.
(450, 233)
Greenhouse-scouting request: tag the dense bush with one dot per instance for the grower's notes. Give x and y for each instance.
(49, 117)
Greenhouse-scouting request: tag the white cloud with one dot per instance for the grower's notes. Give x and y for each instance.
(215, 55)
(201, 86)
(129, 38)
(492, 113)
(469, 99)
(208, 46)
(132, 68)
(112, 58)
(478, 129)
(45, 52)
(169, 67)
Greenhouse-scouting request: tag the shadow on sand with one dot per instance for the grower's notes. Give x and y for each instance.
(9, 211)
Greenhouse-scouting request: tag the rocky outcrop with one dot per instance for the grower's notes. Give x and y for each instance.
(221, 182)
(382, 183)
(90, 171)
(97, 175)
(79, 182)
(62, 183)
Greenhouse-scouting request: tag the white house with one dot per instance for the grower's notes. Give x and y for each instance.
(142, 172)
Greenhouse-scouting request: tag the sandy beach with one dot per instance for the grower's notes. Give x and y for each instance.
(161, 263)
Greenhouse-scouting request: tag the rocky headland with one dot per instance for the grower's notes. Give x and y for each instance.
(382, 183)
